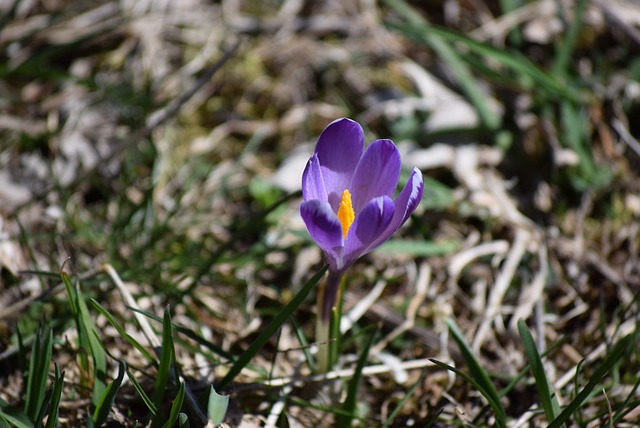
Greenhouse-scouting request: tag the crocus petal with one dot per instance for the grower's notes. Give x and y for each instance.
(373, 220)
(339, 149)
(405, 204)
(312, 181)
(325, 229)
(377, 173)
(410, 196)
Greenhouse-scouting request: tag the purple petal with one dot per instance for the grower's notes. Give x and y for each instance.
(377, 173)
(410, 196)
(312, 181)
(405, 204)
(339, 149)
(324, 227)
(373, 220)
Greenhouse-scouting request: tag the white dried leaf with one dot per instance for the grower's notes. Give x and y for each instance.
(11, 255)
(289, 176)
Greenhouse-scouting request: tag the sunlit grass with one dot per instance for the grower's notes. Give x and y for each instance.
(153, 273)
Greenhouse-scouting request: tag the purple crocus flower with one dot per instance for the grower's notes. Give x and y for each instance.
(348, 193)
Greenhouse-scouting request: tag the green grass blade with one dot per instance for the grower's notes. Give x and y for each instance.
(626, 405)
(304, 344)
(566, 46)
(188, 333)
(106, 403)
(351, 401)
(38, 372)
(22, 357)
(468, 83)
(575, 124)
(175, 408)
(3, 422)
(73, 301)
(97, 306)
(89, 339)
(548, 399)
(44, 408)
(496, 406)
(402, 402)
(217, 406)
(460, 69)
(419, 30)
(513, 60)
(270, 330)
(145, 398)
(510, 6)
(477, 372)
(54, 408)
(611, 359)
(14, 420)
(518, 378)
(183, 421)
(98, 355)
(314, 405)
(164, 368)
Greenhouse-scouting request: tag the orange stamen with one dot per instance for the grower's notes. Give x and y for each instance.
(346, 215)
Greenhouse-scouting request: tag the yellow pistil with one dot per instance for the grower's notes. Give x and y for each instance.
(345, 212)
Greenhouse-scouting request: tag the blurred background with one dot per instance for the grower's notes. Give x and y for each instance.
(167, 138)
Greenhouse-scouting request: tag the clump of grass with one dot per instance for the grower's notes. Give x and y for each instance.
(153, 273)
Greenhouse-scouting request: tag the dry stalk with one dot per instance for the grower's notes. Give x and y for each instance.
(421, 290)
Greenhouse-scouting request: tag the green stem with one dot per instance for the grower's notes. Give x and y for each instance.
(327, 296)
(322, 339)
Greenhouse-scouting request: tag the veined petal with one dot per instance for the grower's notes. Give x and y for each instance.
(377, 173)
(339, 149)
(312, 181)
(325, 228)
(373, 220)
(405, 204)
(410, 196)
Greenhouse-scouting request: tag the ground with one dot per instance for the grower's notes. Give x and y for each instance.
(151, 245)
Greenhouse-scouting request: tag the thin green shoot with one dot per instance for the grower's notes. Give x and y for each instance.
(270, 330)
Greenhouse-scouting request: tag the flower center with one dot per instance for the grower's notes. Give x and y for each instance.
(345, 212)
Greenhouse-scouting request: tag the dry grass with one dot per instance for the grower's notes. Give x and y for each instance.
(154, 136)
